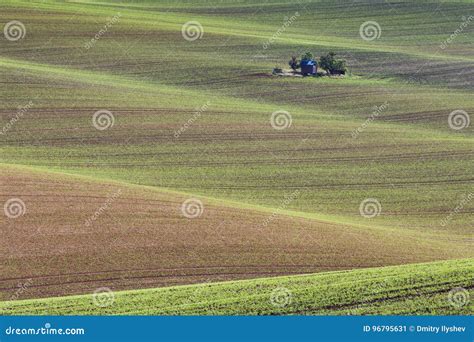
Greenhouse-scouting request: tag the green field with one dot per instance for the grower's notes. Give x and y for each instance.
(192, 119)
(419, 289)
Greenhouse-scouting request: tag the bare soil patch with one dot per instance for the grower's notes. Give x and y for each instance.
(140, 239)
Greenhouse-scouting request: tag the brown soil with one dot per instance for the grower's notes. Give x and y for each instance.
(141, 239)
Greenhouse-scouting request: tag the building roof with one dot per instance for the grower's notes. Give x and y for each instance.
(308, 62)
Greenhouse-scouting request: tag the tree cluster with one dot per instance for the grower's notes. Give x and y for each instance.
(328, 62)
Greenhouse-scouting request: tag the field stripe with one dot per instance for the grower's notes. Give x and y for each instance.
(171, 21)
(365, 291)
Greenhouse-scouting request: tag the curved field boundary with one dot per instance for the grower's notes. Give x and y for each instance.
(142, 240)
(320, 217)
(438, 288)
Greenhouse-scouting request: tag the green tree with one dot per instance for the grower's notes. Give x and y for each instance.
(332, 65)
(294, 63)
(307, 56)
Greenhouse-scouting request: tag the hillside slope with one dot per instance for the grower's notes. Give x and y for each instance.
(80, 233)
(195, 116)
(439, 288)
(106, 133)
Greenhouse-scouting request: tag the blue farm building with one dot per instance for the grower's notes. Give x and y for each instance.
(309, 67)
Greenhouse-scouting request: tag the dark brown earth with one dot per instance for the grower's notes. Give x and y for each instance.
(141, 239)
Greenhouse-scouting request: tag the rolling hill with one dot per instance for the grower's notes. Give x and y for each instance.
(80, 233)
(138, 140)
(429, 289)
